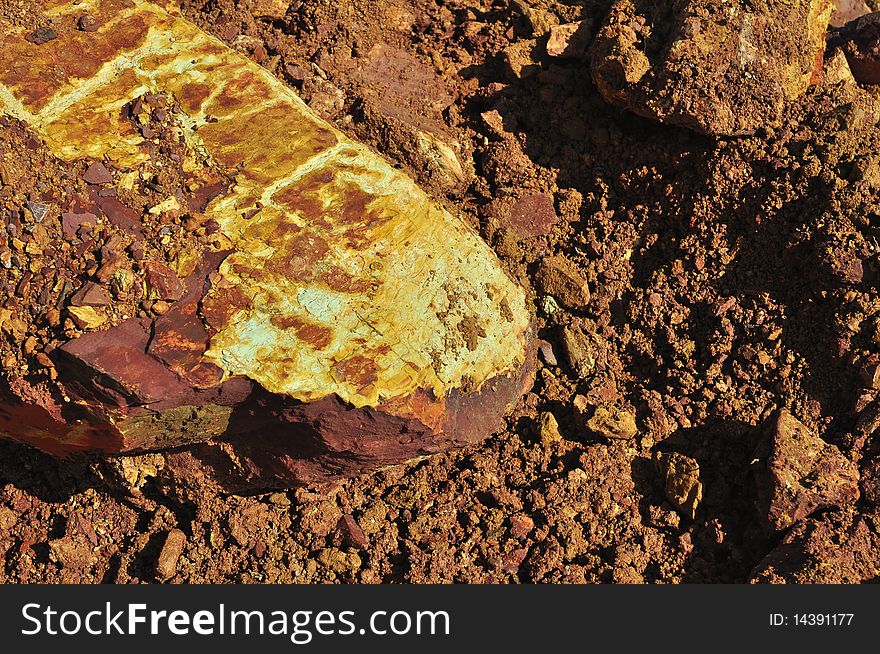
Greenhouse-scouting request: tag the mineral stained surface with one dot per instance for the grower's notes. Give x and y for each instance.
(717, 67)
(350, 323)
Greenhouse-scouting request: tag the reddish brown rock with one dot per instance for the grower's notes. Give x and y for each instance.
(860, 42)
(41, 36)
(801, 474)
(166, 564)
(97, 174)
(162, 282)
(120, 215)
(71, 222)
(559, 277)
(512, 561)
(88, 23)
(720, 68)
(521, 526)
(352, 533)
(91, 295)
(838, 547)
(533, 215)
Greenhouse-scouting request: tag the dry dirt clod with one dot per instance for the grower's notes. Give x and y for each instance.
(579, 351)
(802, 474)
(569, 40)
(613, 423)
(166, 564)
(836, 547)
(270, 9)
(719, 68)
(681, 481)
(339, 562)
(71, 553)
(559, 277)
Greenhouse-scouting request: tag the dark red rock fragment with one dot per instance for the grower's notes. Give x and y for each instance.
(803, 474)
(71, 222)
(41, 35)
(533, 215)
(352, 533)
(162, 282)
(97, 174)
(860, 41)
(120, 215)
(90, 295)
(88, 23)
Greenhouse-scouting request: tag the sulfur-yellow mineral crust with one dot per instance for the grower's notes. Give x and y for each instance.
(344, 284)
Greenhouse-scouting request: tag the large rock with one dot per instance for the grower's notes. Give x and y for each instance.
(836, 547)
(350, 323)
(721, 68)
(860, 42)
(802, 474)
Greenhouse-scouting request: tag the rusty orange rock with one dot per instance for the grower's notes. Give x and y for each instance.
(721, 68)
(348, 322)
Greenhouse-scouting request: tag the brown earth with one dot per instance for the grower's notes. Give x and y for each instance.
(728, 279)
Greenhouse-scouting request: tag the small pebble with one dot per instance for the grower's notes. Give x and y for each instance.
(166, 565)
(549, 429)
(41, 36)
(546, 350)
(88, 23)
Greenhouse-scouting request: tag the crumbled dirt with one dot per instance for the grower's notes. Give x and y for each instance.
(728, 279)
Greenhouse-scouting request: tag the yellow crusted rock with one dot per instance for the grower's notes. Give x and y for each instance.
(344, 280)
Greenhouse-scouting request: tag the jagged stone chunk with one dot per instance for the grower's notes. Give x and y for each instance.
(860, 42)
(350, 323)
(803, 474)
(720, 68)
(681, 481)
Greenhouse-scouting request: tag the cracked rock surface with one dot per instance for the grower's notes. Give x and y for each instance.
(341, 319)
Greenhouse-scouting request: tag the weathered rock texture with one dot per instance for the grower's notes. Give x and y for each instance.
(351, 322)
(848, 10)
(803, 474)
(721, 68)
(860, 42)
